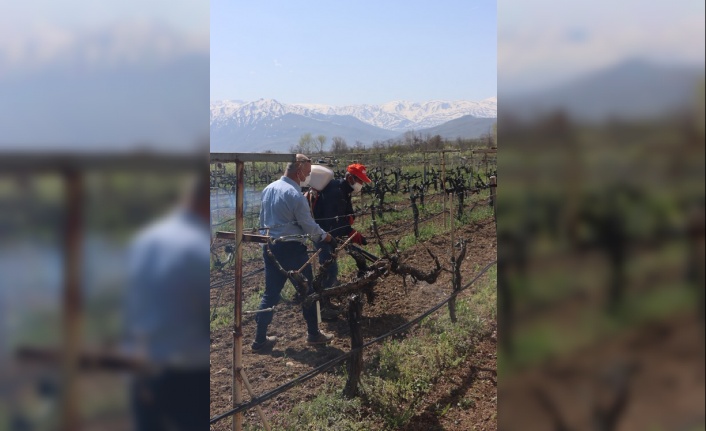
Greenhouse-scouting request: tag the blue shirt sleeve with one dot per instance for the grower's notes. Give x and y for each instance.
(285, 211)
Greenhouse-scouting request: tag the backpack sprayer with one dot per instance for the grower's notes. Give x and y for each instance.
(318, 179)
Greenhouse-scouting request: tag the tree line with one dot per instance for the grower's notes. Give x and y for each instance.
(409, 142)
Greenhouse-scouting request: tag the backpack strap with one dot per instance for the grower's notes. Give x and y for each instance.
(312, 196)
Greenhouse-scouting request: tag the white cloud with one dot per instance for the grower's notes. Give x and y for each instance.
(277, 63)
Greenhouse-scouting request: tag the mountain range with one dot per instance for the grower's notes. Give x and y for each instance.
(635, 89)
(131, 85)
(266, 124)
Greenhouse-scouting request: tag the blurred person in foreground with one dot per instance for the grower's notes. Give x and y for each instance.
(166, 321)
(333, 211)
(285, 214)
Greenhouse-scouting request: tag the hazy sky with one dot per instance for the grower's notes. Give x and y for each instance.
(36, 33)
(104, 74)
(544, 42)
(20, 17)
(342, 53)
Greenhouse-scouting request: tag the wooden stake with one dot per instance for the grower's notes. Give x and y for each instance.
(72, 303)
(238, 300)
(355, 363)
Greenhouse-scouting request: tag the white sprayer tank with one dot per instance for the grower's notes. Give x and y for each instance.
(320, 177)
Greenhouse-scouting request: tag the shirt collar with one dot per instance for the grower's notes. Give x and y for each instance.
(290, 181)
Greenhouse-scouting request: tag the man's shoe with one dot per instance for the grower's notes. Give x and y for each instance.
(268, 343)
(320, 338)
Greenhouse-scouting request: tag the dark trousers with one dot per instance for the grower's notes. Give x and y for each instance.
(292, 256)
(331, 273)
(171, 400)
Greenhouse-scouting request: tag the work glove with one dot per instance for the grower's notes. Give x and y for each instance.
(357, 238)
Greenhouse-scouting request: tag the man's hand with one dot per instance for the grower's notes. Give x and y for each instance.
(328, 238)
(357, 238)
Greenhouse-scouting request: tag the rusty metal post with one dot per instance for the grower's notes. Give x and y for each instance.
(493, 195)
(424, 171)
(238, 300)
(452, 220)
(443, 183)
(72, 300)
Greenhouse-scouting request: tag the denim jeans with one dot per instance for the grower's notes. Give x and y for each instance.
(292, 256)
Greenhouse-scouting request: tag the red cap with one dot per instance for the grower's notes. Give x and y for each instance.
(359, 171)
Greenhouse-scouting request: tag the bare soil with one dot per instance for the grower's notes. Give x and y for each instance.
(465, 398)
(650, 377)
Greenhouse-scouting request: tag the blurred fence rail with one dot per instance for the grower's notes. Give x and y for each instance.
(75, 172)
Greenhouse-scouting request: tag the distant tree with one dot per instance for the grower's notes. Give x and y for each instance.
(320, 143)
(436, 143)
(359, 146)
(339, 145)
(487, 140)
(409, 138)
(306, 143)
(378, 146)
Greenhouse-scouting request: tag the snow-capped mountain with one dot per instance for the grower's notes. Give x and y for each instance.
(134, 84)
(635, 89)
(243, 114)
(267, 124)
(399, 116)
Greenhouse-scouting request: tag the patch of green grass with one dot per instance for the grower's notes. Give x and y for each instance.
(485, 297)
(223, 317)
(328, 411)
(466, 403)
(346, 264)
(480, 213)
(544, 340)
(659, 304)
(288, 292)
(252, 301)
(402, 371)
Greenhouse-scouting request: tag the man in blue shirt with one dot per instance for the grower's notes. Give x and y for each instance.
(167, 317)
(286, 217)
(333, 211)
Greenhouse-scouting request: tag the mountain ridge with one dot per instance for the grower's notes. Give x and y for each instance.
(634, 89)
(267, 124)
(395, 115)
